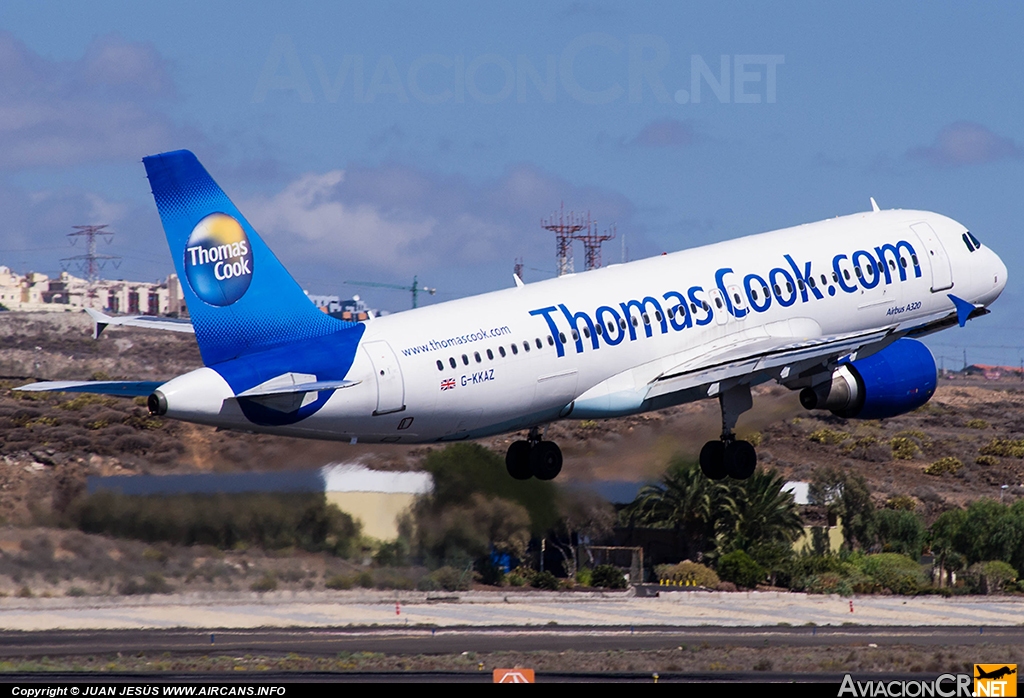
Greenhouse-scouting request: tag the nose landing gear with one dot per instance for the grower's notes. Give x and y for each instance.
(729, 456)
(533, 458)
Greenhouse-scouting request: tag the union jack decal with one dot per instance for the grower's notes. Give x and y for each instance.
(447, 384)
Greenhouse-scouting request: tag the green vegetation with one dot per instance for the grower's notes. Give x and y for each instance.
(946, 464)
(828, 436)
(272, 522)
(1007, 448)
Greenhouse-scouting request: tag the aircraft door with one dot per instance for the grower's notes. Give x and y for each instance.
(938, 260)
(390, 384)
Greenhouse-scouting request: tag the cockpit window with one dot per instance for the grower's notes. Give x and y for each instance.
(967, 242)
(974, 239)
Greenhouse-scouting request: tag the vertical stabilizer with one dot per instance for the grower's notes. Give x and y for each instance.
(240, 297)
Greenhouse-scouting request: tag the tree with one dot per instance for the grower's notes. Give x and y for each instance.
(584, 516)
(899, 531)
(845, 495)
(685, 500)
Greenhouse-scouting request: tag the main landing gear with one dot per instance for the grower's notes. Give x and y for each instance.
(533, 458)
(729, 456)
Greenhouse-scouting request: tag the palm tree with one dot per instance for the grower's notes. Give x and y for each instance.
(684, 500)
(759, 513)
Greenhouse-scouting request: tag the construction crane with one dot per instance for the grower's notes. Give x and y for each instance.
(415, 289)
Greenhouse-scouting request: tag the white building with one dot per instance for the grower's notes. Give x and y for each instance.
(38, 292)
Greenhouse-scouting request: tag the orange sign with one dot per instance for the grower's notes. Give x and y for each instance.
(513, 676)
(995, 680)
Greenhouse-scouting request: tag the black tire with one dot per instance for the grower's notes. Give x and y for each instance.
(740, 459)
(546, 460)
(517, 460)
(712, 460)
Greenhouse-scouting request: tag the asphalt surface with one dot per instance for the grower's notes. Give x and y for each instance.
(330, 641)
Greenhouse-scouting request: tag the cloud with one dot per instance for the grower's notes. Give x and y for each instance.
(102, 107)
(390, 222)
(965, 143)
(663, 133)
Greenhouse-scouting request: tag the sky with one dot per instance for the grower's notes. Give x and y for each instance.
(381, 141)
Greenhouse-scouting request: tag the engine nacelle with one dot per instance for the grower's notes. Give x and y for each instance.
(896, 380)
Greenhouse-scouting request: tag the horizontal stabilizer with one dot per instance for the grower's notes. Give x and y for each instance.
(120, 388)
(102, 320)
(311, 387)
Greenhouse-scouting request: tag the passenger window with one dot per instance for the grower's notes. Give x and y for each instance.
(636, 323)
(611, 327)
(561, 337)
(540, 345)
(835, 278)
(490, 355)
(476, 355)
(914, 257)
(597, 328)
(551, 341)
(765, 290)
(451, 361)
(903, 262)
(693, 308)
(800, 284)
(514, 348)
(575, 335)
(753, 294)
(736, 297)
(846, 273)
(440, 366)
(778, 291)
(824, 280)
(657, 315)
(526, 346)
(647, 319)
(465, 360)
(718, 302)
(789, 287)
(892, 265)
(586, 332)
(622, 324)
(704, 304)
(857, 271)
(810, 281)
(501, 350)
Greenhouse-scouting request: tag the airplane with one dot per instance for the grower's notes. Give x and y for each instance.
(831, 309)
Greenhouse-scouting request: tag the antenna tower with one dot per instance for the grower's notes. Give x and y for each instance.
(565, 229)
(592, 243)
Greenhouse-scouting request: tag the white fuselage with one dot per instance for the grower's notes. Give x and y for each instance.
(448, 371)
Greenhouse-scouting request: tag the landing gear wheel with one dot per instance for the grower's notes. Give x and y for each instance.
(740, 459)
(546, 460)
(712, 460)
(517, 460)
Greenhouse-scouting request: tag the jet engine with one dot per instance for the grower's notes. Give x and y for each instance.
(896, 380)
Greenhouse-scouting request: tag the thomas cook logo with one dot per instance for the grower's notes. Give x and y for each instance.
(218, 260)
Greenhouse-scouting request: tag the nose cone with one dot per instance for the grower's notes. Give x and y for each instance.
(994, 280)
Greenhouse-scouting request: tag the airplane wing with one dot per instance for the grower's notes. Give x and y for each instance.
(119, 388)
(102, 320)
(779, 355)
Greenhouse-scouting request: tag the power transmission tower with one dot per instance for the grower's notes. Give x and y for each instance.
(592, 243)
(90, 262)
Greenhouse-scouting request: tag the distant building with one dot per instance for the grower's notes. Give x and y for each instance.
(375, 498)
(39, 293)
(353, 309)
(993, 373)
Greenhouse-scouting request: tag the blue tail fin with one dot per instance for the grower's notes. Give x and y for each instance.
(240, 297)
